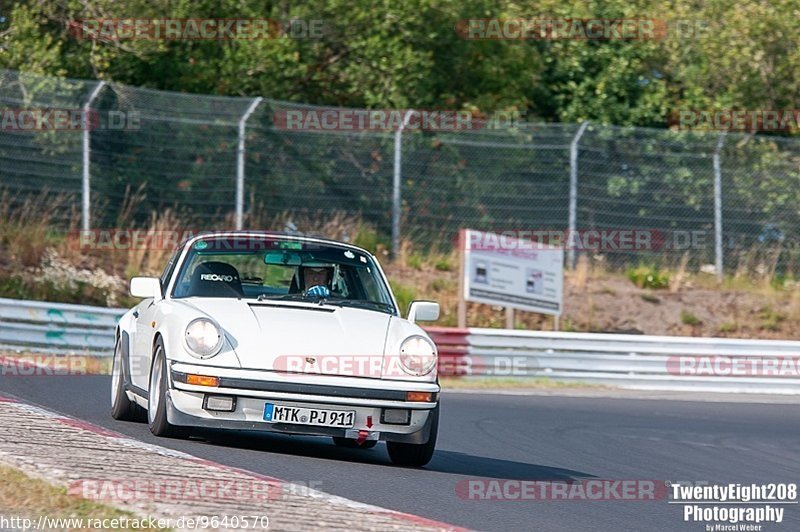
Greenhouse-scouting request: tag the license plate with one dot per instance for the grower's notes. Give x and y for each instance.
(308, 416)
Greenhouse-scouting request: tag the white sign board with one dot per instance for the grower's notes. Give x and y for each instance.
(512, 272)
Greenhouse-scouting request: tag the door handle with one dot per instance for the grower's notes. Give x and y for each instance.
(135, 313)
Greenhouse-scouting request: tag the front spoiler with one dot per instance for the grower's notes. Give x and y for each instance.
(180, 418)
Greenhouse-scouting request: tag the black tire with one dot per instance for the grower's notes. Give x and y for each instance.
(157, 398)
(122, 408)
(350, 443)
(413, 454)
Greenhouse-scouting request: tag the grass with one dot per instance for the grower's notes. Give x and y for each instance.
(404, 294)
(770, 319)
(442, 285)
(687, 318)
(444, 263)
(27, 226)
(415, 261)
(368, 239)
(23, 496)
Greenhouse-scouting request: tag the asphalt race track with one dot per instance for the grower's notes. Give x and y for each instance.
(488, 437)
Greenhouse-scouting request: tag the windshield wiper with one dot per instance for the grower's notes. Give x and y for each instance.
(292, 297)
(362, 303)
(354, 303)
(283, 297)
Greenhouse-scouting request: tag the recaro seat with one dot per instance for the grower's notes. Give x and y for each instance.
(215, 279)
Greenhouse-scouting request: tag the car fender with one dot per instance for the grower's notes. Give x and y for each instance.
(171, 321)
(399, 330)
(125, 332)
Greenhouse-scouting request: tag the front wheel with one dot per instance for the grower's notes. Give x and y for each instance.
(413, 454)
(157, 398)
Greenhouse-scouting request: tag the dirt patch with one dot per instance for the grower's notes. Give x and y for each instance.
(600, 301)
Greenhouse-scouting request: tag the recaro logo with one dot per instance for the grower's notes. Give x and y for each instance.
(216, 277)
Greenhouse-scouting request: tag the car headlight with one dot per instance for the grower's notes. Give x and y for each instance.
(203, 338)
(417, 355)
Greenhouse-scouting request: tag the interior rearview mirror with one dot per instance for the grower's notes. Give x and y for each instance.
(282, 258)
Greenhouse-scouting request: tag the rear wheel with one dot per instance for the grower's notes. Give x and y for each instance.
(413, 454)
(122, 408)
(353, 444)
(157, 398)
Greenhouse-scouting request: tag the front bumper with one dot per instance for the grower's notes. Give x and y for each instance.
(252, 390)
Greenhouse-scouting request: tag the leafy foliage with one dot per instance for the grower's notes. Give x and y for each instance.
(648, 277)
(382, 53)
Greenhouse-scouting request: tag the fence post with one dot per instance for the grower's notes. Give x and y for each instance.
(573, 190)
(718, 263)
(87, 159)
(240, 163)
(397, 184)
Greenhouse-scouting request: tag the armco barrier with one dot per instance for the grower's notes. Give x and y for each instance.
(629, 361)
(57, 328)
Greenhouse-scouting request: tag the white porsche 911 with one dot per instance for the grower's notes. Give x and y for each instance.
(266, 331)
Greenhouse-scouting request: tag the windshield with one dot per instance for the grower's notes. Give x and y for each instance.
(272, 269)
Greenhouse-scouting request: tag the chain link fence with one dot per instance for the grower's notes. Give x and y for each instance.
(729, 200)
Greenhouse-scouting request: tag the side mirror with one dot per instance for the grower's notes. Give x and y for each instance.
(423, 311)
(145, 287)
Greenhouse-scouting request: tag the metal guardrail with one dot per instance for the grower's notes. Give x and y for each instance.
(57, 328)
(628, 361)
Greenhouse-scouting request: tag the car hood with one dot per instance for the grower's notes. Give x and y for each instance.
(297, 337)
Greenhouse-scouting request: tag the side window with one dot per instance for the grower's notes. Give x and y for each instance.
(168, 271)
(339, 285)
(369, 285)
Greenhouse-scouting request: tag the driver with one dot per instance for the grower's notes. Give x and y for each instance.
(317, 276)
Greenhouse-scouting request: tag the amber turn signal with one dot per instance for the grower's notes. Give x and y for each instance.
(419, 397)
(202, 380)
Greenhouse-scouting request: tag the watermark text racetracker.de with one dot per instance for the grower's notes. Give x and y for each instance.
(376, 366)
(122, 239)
(48, 366)
(734, 366)
(581, 29)
(193, 29)
(58, 119)
(173, 490)
(382, 120)
(594, 489)
(736, 120)
(593, 240)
